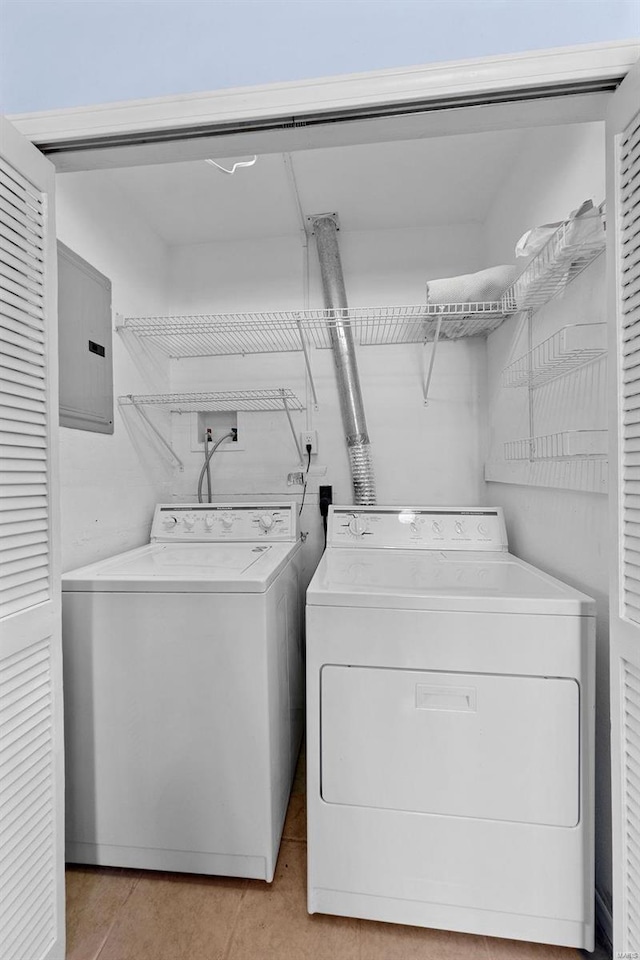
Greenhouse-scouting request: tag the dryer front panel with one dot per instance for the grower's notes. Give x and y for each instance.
(491, 747)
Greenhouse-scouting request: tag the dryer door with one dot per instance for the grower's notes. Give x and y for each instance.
(454, 744)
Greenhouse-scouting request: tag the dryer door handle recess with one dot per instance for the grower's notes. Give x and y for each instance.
(445, 698)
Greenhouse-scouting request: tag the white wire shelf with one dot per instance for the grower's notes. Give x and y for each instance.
(567, 445)
(573, 246)
(287, 331)
(567, 350)
(242, 400)
(247, 401)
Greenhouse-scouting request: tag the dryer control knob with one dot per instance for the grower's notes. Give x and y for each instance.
(265, 522)
(356, 526)
(483, 530)
(459, 527)
(436, 526)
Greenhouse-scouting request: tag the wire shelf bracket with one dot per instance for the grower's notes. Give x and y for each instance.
(249, 401)
(434, 347)
(133, 401)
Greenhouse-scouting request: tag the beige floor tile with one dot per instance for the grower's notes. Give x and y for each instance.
(176, 917)
(94, 897)
(295, 824)
(274, 924)
(391, 941)
(520, 950)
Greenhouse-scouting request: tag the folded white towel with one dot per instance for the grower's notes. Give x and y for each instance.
(481, 287)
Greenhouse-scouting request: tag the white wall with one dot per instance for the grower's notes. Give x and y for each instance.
(109, 483)
(562, 531)
(415, 456)
(421, 454)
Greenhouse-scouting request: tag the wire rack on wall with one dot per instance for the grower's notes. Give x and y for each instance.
(567, 350)
(245, 400)
(568, 444)
(248, 401)
(573, 246)
(289, 330)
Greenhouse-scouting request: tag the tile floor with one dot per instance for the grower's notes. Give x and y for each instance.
(118, 914)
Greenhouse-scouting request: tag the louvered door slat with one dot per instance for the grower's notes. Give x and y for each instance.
(26, 801)
(629, 199)
(631, 754)
(13, 311)
(12, 202)
(38, 548)
(24, 574)
(27, 270)
(35, 330)
(623, 255)
(20, 384)
(21, 278)
(16, 299)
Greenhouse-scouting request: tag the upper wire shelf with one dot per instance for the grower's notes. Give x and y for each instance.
(242, 400)
(572, 247)
(289, 330)
(567, 350)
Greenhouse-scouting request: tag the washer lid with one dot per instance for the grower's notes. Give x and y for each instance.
(186, 567)
(434, 580)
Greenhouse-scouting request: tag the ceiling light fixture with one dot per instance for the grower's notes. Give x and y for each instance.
(240, 162)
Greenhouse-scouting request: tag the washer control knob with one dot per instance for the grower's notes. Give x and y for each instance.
(483, 530)
(459, 527)
(189, 521)
(208, 521)
(170, 522)
(265, 522)
(227, 521)
(436, 526)
(356, 526)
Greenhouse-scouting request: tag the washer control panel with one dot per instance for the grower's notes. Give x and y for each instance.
(423, 528)
(225, 521)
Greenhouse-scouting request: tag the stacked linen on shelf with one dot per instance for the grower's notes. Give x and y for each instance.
(485, 286)
(556, 253)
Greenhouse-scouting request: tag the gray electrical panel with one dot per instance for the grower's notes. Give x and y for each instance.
(84, 344)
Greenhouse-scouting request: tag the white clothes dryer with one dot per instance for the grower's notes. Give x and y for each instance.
(183, 683)
(450, 718)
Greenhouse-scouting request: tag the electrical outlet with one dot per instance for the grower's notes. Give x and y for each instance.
(310, 438)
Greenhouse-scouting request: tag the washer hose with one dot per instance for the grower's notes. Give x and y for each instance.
(205, 466)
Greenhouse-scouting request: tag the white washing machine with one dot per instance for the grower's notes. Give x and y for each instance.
(183, 683)
(450, 718)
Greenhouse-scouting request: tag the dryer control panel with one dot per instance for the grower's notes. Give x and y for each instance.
(421, 528)
(224, 521)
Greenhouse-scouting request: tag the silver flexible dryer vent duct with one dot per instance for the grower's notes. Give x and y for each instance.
(344, 356)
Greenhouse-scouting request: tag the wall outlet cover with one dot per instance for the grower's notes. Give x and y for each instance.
(309, 437)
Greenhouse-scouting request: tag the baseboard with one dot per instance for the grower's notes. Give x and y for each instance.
(604, 923)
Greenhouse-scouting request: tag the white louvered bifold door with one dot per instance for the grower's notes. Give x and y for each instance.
(623, 240)
(31, 767)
